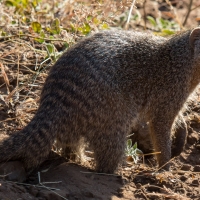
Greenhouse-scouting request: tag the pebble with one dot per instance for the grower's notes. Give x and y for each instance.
(183, 178)
(186, 167)
(196, 168)
(195, 182)
(193, 138)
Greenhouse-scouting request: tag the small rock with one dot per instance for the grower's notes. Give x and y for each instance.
(195, 182)
(186, 167)
(193, 138)
(13, 171)
(138, 185)
(132, 188)
(181, 190)
(183, 178)
(122, 181)
(120, 190)
(197, 168)
(198, 146)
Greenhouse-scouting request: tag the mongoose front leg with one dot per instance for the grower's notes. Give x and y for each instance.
(180, 134)
(161, 138)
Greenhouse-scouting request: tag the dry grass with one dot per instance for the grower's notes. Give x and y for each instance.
(25, 62)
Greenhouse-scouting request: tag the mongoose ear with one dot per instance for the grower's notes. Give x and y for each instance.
(194, 35)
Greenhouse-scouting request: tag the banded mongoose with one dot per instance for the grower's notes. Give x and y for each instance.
(100, 86)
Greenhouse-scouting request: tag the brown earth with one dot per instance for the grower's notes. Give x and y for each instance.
(63, 179)
(22, 76)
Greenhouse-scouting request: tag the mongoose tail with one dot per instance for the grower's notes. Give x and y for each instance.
(32, 144)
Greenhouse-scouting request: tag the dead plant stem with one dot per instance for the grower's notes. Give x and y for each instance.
(188, 12)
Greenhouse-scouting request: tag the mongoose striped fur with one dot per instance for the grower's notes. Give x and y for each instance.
(100, 86)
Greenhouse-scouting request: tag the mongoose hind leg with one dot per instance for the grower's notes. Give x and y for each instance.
(108, 151)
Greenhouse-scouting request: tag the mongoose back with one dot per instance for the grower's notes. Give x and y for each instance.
(100, 86)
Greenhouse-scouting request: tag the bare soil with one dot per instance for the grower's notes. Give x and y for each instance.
(23, 72)
(58, 178)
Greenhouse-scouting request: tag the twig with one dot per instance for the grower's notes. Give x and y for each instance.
(188, 12)
(8, 119)
(148, 154)
(168, 193)
(166, 196)
(195, 7)
(164, 164)
(11, 94)
(39, 180)
(129, 15)
(52, 182)
(100, 173)
(130, 135)
(175, 14)
(27, 184)
(31, 36)
(53, 191)
(155, 186)
(183, 172)
(23, 42)
(5, 77)
(144, 11)
(29, 64)
(18, 70)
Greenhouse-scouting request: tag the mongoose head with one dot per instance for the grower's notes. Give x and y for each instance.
(194, 41)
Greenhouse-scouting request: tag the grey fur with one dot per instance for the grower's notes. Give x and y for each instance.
(97, 89)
